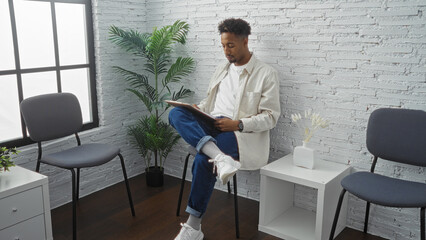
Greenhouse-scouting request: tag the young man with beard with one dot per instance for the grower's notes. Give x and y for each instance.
(243, 95)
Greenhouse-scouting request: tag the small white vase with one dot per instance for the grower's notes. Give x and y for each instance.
(304, 156)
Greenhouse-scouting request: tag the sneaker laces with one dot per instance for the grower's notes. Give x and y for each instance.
(218, 161)
(185, 232)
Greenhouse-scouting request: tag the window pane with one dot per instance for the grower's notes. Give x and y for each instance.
(76, 81)
(71, 24)
(34, 84)
(7, 59)
(10, 117)
(35, 33)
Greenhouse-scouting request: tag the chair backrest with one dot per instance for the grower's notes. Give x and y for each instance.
(51, 116)
(398, 135)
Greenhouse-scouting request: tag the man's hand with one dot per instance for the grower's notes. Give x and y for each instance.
(196, 106)
(226, 124)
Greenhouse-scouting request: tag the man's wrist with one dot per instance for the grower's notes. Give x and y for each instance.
(240, 126)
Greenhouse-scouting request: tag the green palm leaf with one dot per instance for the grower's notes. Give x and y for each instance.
(144, 98)
(168, 138)
(179, 30)
(138, 81)
(161, 102)
(132, 41)
(135, 79)
(149, 66)
(182, 93)
(138, 139)
(160, 43)
(162, 63)
(181, 68)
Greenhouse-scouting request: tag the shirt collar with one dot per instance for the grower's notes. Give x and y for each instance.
(251, 63)
(248, 66)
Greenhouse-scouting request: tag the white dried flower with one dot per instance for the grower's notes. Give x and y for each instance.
(315, 120)
(293, 118)
(296, 117)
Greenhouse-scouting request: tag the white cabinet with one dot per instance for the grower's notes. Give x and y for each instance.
(279, 216)
(25, 206)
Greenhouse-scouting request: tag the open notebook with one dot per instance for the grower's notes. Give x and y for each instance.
(205, 116)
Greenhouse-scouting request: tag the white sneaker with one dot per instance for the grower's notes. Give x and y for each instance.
(226, 167)
(188, 233)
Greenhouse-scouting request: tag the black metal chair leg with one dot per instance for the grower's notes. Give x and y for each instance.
(38, 166)
(367, 212)
(229, 187)
(39, 156)
(422, 223)
(129, 194)
(182, 184)
(336, 216)
(74, 207)
(237, 224)
(78, 185)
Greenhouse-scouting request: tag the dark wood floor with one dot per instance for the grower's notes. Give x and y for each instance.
(106, 215)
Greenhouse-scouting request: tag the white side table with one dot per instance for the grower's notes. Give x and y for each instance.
(25, 206)
(279, 217)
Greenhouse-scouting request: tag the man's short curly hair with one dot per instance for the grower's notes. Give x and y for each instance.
(238, 27)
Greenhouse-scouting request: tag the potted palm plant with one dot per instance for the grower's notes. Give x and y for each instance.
(153, 137)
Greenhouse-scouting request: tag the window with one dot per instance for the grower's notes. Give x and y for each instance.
(46, 46)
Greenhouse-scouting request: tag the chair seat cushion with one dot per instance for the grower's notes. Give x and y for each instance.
(87, 155)
(385, 191)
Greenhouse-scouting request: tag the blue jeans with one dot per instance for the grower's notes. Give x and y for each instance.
(196, 133)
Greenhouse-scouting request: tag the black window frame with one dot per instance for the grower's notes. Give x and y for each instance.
(25, 140)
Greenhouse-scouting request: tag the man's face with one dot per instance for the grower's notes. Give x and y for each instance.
(233, 46)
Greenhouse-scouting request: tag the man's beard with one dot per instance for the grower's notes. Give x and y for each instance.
(232, 60)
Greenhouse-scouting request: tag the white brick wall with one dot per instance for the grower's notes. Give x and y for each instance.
(342, 59)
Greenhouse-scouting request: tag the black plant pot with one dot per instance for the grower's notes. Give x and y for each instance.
(154, 176)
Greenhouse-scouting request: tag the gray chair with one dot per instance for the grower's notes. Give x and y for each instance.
(192, 152)
(57, 115)
(397, 135)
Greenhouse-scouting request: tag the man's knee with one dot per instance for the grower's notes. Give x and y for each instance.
(177, 112)
(174, 114)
